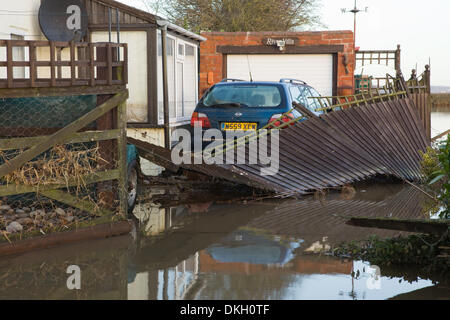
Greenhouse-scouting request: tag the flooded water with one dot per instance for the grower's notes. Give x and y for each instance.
(440, 122)
(222, 250)
(228, 250)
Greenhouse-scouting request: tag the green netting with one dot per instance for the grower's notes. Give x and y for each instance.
(45, 112)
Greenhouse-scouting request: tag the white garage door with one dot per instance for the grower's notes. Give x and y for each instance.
(315, 69)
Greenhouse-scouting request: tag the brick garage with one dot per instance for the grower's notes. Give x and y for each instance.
(225, 48)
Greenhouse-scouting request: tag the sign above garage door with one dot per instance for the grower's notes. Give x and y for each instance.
(315, 69)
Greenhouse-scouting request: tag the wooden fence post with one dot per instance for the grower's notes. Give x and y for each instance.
(427, 77)
(107, 149)
(122, 159)
(398, 60)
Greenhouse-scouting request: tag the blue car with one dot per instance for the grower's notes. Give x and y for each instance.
(249, 246)
(245, 106)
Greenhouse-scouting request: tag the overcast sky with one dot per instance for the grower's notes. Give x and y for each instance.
(420, 27)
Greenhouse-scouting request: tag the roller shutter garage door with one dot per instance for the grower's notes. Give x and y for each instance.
(315, 69)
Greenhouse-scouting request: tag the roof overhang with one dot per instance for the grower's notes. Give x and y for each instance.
(172, 27)
(151, 18)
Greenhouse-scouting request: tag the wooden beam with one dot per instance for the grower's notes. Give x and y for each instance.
(304, 111)
(9, 60)
(91, 64)
(60, 91)
(52, 63)
(440, 135)
(122, 155)
(67, 198)
(87, 136)
(104, 230)
(9, 190)
(17, 132)
(72, 63)
(33, 70)
(261, 49)
(421, 226)
(130, 10)
(150, 152)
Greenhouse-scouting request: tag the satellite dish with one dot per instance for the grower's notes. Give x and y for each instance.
(63, 20)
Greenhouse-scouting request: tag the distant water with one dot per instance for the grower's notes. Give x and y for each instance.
(440, 89)
(440, 122)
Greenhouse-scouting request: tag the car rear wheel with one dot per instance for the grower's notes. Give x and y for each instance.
(132, 185)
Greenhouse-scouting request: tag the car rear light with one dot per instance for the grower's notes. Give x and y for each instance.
(200, 119)
(279, 119)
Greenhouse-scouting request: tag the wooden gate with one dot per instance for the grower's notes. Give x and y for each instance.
(61, 118)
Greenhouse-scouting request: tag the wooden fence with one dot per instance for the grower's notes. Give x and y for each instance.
(389, 58)
(385, 89)
(35, 146)
(62, 64)
(95, 73)
(359, 140)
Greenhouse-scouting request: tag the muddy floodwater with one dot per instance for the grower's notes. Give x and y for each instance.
(234, 250)
(226, 250)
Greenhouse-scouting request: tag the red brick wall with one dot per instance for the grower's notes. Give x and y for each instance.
(211, 61)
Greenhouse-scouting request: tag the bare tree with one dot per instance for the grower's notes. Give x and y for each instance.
(155, 7)
(241, 15)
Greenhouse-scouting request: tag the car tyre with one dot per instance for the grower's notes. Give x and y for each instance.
(132, 184)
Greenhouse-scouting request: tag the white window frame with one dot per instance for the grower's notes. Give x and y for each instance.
(183, 45)
(180, 119)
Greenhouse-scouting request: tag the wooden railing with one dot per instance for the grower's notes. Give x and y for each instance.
(420, 83)
(378, 85)
(381, 57)
(70, 64)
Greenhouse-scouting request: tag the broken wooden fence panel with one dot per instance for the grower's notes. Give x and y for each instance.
(365, 136)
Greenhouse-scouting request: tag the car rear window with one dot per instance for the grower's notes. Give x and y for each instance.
(304, 95)
(250, 95)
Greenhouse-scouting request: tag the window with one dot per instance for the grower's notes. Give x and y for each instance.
(302, 95)
(182, 79)
(190, 80)
(180, 51)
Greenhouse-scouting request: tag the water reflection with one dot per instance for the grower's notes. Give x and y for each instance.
(250, 246)
(230, 251)
(42, 274)
(256, 251)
